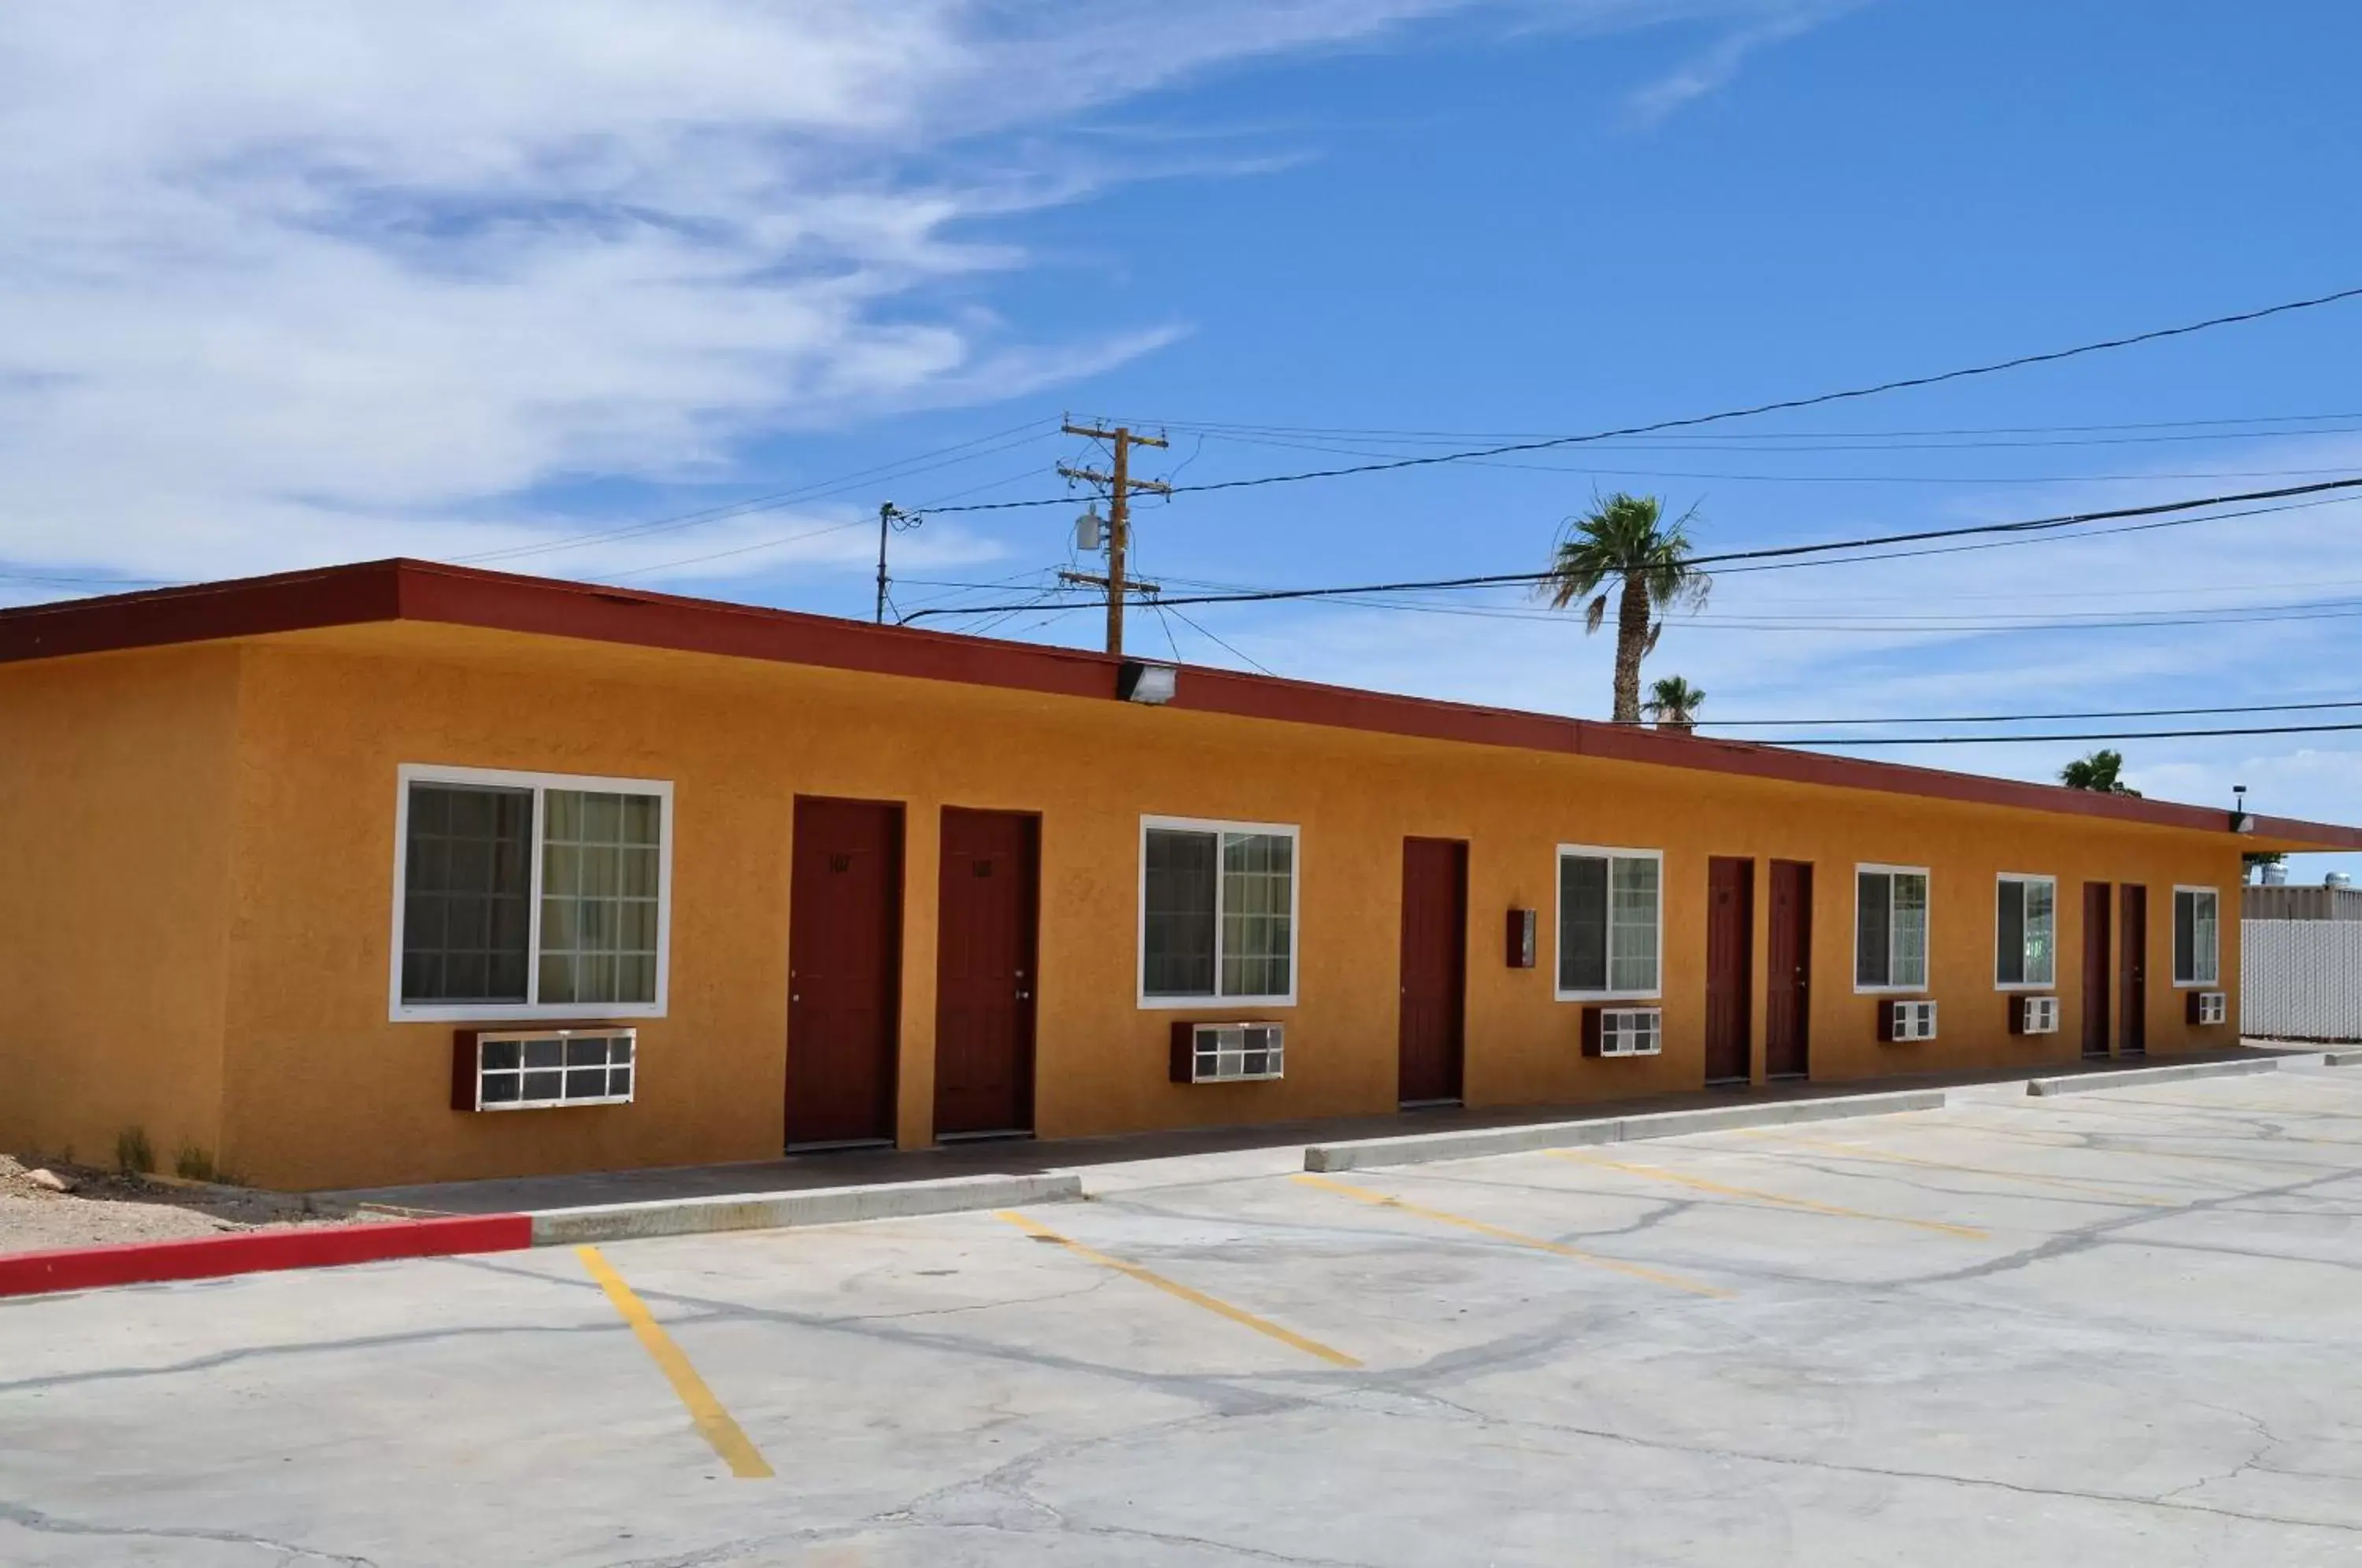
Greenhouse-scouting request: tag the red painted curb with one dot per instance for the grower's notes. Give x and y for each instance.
(256, 1251)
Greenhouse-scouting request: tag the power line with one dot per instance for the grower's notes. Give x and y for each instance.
(1497, 611)
(1693, 421)
(742, 549)
(1372, 435)
(2036, 525)
(1218, 642)
(123, 583)
(1783, 552)
(2040, 538)
(2010, 740)
(923, 462)
(1594, 470)
(1753, 446)
(2039, 718)
(1890, 627)
(1787, 404)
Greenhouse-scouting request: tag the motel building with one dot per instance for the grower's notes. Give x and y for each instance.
(399, 872)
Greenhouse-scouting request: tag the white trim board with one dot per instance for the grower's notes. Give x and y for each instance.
(1927, 952)
(1295, 836)
(1610, 853)
(400, 1011)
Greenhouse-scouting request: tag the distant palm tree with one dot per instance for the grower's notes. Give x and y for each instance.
(1626, 538)
(2097, 772)
(1673, 705)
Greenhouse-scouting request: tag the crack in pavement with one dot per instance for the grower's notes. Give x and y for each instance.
(2100, 1232)
(1707, 1451)
(50, 1524)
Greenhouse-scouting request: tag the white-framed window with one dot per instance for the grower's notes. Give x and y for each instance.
(2026, 932)
(1889, 928)
(1217, 912)
(1611, 923)
(2197, 936)
(530, 895)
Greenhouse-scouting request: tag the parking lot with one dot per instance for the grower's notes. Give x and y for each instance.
(2113, 1327)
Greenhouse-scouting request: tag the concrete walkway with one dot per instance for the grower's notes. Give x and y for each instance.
(1283, 1142)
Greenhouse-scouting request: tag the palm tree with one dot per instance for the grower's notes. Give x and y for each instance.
(2097, 772)
(1673, 703)
(1626, 537)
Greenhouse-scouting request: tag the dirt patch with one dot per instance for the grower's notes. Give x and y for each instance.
(108, 1207)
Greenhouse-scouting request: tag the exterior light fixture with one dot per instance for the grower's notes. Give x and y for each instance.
(2240, 821)
(1139, 682)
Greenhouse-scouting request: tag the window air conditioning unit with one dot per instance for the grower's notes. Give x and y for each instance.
(1623, 1031)
(2032, 1015)
(1902, 1021)
(2209, 1007)
(542, 1069)
(1227, 1053)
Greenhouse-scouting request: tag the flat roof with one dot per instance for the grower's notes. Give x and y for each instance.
(425, 592)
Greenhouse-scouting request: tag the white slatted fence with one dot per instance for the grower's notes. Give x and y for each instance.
(2301, 979)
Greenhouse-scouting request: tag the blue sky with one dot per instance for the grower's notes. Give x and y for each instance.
(282, 288)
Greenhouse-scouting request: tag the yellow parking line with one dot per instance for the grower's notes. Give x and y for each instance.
(713, 1422)
(2088, 1189)
(1657, 1173)
(1174, 1287)
(1637, 1271)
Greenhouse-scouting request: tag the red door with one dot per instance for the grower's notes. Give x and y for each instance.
(1789, 985)
(2131, 967)
(2096, 980)
(844, 943)
(1788, 988)
(984, 972)
(1434, 969)
(1729, 969)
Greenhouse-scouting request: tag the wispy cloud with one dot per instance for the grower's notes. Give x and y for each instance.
(1714, 68)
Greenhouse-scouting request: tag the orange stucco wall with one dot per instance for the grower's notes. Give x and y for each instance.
(118, 830)
(321, 1089)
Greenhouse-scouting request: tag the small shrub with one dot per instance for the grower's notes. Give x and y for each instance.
(194, 1164)
(133, 1156)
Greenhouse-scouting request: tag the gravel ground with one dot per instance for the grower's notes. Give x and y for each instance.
(105, 1207)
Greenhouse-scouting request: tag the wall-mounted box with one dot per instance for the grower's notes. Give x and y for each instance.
(1623, 1031)
(1522, 924)
(543, 1069)
(2209, 1008)
(2032, 1015)
(1905, 1023)
(1227, 1053)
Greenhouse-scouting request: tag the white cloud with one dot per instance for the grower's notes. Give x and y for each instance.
(287, 283)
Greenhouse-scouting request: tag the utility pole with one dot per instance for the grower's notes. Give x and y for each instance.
(889, 516)
(1120, 485)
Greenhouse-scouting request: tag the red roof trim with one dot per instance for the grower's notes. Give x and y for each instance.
(419, 591)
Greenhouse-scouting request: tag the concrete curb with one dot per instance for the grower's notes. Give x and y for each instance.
(2084, 1083)
(1425, 1148)
(2341, 1058)
(774, 1210)
(259, 1251)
